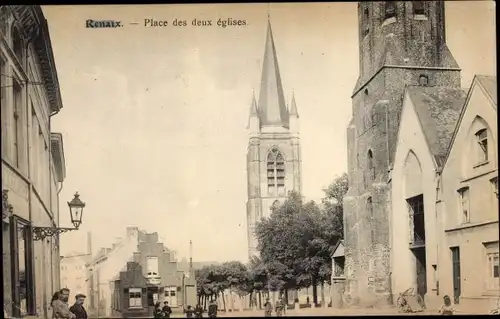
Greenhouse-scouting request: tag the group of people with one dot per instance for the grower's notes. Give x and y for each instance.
(61, 308)
(197, 312)
(279, 307)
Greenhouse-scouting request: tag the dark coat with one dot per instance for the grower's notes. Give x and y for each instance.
(79, 311)
(212, 310)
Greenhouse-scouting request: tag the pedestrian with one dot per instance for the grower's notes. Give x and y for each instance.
(279, 307)
(447, 308)
(166, 310)
(157, 312)
(189, 312)
(198, 311)
(60, 305)
(77, 309)
(268, 308)
(212, 309)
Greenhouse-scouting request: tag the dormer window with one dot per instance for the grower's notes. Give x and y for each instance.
(390, 9)
(423, 80)
(418, 7)
(482, 141)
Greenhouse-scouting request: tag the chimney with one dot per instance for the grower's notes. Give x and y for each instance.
(89, 243)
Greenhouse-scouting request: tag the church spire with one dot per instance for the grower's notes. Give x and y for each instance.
(272, 107)
(253, 106)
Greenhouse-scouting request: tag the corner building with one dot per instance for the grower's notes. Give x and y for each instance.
(400, 44)
(273, 155)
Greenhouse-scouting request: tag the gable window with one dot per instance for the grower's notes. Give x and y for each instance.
(492, 264)
(464, 204)
(482, 140)
(371, 166)
(276, 173)
(390, 9)
(135, 298)
(152, 266)
(423, 80)
(418, 7)
(366, 21)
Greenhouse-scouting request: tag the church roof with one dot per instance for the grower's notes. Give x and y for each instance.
(438, 109)
(489, 83)
(272, 107)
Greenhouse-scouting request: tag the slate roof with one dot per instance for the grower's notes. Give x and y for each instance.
(438, 109)
(489, 83)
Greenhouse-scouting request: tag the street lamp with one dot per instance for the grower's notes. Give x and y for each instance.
(76, 212)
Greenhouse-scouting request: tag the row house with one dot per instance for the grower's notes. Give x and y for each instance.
(33, 166)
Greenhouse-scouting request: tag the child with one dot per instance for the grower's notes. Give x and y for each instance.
(447, 308)
(189, 312)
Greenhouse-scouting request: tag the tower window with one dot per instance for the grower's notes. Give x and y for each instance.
(276, 173)
(366, 21)
(371, 167)
(418, 7)
(423, 80)
(390, 9)
(482, 140)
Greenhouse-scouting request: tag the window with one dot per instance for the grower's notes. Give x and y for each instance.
(418, 7)
(135, 298)
(417, 220)
(492, 264)
(371, 166)
(276, 173)
(423, 80)
(482, 140)
(275, 206)
(369, 206)
(16, 116)
(494, 184)
(464, 204)
(152, 266)
(366, 21)
(390, 9)
(17, 43)
(3, 103)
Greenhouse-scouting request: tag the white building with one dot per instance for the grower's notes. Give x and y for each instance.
(33, 166)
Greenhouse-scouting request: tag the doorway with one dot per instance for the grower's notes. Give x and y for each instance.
(455, 257)
(171, 296)
(421, 271)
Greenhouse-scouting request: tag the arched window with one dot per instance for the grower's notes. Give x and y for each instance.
(423, 80)
(276, 173)
(371, 166)
(418, 7)
(366, 21)
(369, 206)
(390, 9)
(482, 140)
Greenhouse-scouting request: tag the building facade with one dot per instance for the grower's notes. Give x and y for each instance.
(401, 43)
(74, 271)
(33, 166)
(428, 119)
(273, 155)
(467, 204)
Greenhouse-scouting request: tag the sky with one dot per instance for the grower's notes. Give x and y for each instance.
(154, 119)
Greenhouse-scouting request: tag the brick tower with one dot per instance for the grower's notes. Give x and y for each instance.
(400, 43)
(273, 156)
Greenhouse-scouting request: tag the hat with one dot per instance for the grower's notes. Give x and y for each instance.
(80, 296)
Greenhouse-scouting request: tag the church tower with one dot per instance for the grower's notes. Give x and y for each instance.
(400, 43)
(273, 156)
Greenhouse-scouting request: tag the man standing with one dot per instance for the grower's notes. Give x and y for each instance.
(212, 309)
(60, 306)
(166, 309)
(77, 309)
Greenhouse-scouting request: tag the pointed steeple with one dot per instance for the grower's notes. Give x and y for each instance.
(253, 106)
(293, 107)
(272, 107)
